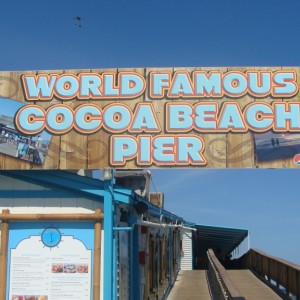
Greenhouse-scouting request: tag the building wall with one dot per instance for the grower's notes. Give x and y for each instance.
(22, 197)
(159, 246)
(187, 253)
(122, 255)
(159, 260)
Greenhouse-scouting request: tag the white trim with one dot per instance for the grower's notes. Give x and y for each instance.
(147, 223)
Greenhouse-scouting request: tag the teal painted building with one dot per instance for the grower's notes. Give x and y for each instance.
(140, 243)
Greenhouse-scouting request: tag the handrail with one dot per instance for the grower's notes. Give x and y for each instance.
(278, 272)
(220, 280)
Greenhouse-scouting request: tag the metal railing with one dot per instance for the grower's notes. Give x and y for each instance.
(283, 276)
(220, 284)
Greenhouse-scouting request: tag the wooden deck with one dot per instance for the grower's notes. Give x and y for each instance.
(250, 286)
(190, 285)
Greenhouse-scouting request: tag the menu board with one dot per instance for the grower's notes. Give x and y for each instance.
(50, 266)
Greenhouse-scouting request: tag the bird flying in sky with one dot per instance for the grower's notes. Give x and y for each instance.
(78, 18)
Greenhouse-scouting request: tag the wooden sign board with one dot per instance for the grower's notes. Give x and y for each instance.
(150, 118)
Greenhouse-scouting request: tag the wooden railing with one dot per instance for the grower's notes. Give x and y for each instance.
(221, 286)
(283, 275)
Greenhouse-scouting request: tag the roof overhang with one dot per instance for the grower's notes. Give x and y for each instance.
(85, 186)
(221, 239)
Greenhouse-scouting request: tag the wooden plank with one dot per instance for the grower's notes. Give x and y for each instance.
(250, 287)
(240, 146)
(215, 143)
(132, 103)
(10, 86)
(268, 100)
(97, 260)
(296, 69)
(158, 104)
(98, 143)
(190, 285)
(97, 216)
(74, 145)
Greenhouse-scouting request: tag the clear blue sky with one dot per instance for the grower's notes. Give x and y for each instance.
(41, 35)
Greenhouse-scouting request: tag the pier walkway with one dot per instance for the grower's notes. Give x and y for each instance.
(190, 285)
(255, 275)
(250, 287)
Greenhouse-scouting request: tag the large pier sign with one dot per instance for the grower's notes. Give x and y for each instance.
(131, 118)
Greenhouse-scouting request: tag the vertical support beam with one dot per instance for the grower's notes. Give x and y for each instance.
(108, 243)
(251, 260)
(170, 257)
(147, 266)
(114, 266)
(134, 263)
(278, 270)
(131, 267)
(132, 259)
(97, 259)
(3, 256)
(297, 285)
(287, 281)
(269, 269)
(261, 265)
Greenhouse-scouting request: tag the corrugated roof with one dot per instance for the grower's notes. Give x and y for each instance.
(221, 239)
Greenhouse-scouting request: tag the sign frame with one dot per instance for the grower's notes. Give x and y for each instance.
(6, 218)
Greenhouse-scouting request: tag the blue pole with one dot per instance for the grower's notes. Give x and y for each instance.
(130, 229)
(108, 243)
(135, 273)
(114, 266)
(170, 256)
(131, 267)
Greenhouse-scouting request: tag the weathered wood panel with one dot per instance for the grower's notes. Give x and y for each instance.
(98, 143)
(74, 145)
(222, 149)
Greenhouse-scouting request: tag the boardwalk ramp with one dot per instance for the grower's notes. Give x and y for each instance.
(190, 285)
(217, 283)
(250, 287)
(193, 285)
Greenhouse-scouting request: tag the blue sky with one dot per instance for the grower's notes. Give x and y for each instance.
(138, 33)
(40, 35)
(264, 201)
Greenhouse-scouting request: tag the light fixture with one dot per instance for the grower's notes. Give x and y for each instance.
(106, 174)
